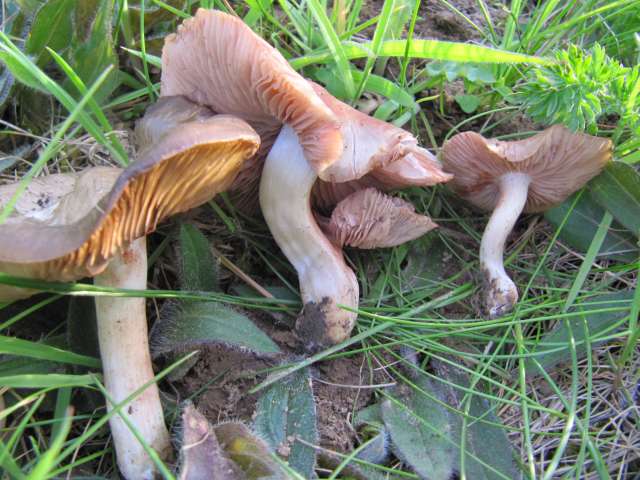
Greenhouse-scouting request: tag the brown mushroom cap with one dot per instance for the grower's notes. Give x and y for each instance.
(377, 154)
(371, 219)
(558, 162)
(68, 226)
(214, 59)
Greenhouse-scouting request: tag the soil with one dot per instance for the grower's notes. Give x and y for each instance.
(339, 385)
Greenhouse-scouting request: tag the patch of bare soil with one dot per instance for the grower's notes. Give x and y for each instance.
(222, 378)
(439, 22)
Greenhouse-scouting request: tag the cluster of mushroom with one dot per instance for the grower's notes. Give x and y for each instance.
(233, 115)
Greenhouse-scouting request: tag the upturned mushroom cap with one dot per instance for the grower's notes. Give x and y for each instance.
(371, 219)
(371, 146)
(557, 161)
(214, 59)
(68, 226)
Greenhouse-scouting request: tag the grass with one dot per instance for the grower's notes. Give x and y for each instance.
(577, 421)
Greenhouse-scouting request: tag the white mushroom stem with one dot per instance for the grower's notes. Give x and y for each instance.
(325, 279)
(502, 294)
(126, 364)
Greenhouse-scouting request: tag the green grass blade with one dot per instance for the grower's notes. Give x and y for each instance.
(53, 146)
(51, 380)
(589, 258)
(432, 49)
(378, 36)
(338, 51)
(93, 105)
(16, 59)
(48, 460)
(25, 348)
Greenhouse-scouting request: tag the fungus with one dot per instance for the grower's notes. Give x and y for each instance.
(92, 224)
(530, 175)
(371, 219)
(321, 138)
(325, 280)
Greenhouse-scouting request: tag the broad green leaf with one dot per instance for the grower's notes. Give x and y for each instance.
(582, 225)
(25, 348)
(553, 349)
(617, 189)
(50, 380)
(192, 324)
(52, 27)
(488, 453)
(286, 412)
(474, 72)
(468, 103)
(198, 269)
(434, 49)
(249, 452)
(92, 49)
(371, 415)
(420, 430)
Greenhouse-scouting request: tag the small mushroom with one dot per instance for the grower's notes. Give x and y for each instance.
(530, 175)
(371, 219)
(322, 138)
(92, 224)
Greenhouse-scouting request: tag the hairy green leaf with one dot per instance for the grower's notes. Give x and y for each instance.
(198, 268)
(249, 452)
(617, 189)
(52, 27)
(552, 349)
(286, 412)
(488, 454)
(582, 225)
(420, 430)
(192, 324)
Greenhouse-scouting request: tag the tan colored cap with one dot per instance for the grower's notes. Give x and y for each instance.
(558, 162)
(216, 60)
(68, 226)
(376, 154)
(371, 219)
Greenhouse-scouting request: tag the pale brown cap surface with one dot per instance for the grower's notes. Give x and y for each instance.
(371, 219)
(68, 226)
(376, 154)
(558, 161)
(216, 60)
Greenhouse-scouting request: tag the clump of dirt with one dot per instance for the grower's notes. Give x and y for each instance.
(222, 377)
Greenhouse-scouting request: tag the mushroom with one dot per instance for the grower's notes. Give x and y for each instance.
(530, 175)
(369, 218)
(325, 280)
(92, 224)
(322, 138)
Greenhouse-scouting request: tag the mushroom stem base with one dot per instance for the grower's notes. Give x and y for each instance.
(325, 280)
(501, 293)
(126, 363)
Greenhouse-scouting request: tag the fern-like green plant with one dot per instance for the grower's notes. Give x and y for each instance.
(581, 87)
